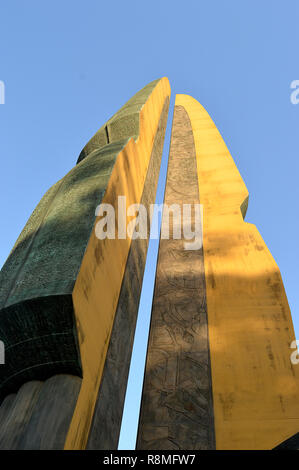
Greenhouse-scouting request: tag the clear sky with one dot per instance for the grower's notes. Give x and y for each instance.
(69, 65)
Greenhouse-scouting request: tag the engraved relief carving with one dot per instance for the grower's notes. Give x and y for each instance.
(177, 410)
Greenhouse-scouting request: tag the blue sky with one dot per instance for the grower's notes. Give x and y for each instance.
(69, 65)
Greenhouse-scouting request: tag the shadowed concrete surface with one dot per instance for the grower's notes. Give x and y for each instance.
(38, 416)
(177, 409)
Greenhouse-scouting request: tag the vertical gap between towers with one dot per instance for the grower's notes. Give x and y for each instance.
(130, 418)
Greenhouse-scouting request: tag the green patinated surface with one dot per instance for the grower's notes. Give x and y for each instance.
(53, 242)
(37, 280)
(124, 124)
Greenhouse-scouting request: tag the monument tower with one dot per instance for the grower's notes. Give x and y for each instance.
(218, 372)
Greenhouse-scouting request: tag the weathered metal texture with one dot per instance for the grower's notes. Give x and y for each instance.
(40, 340)
(105, 428)
(177, 408)
(124, 124)
(38, 416)
(37, 323)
